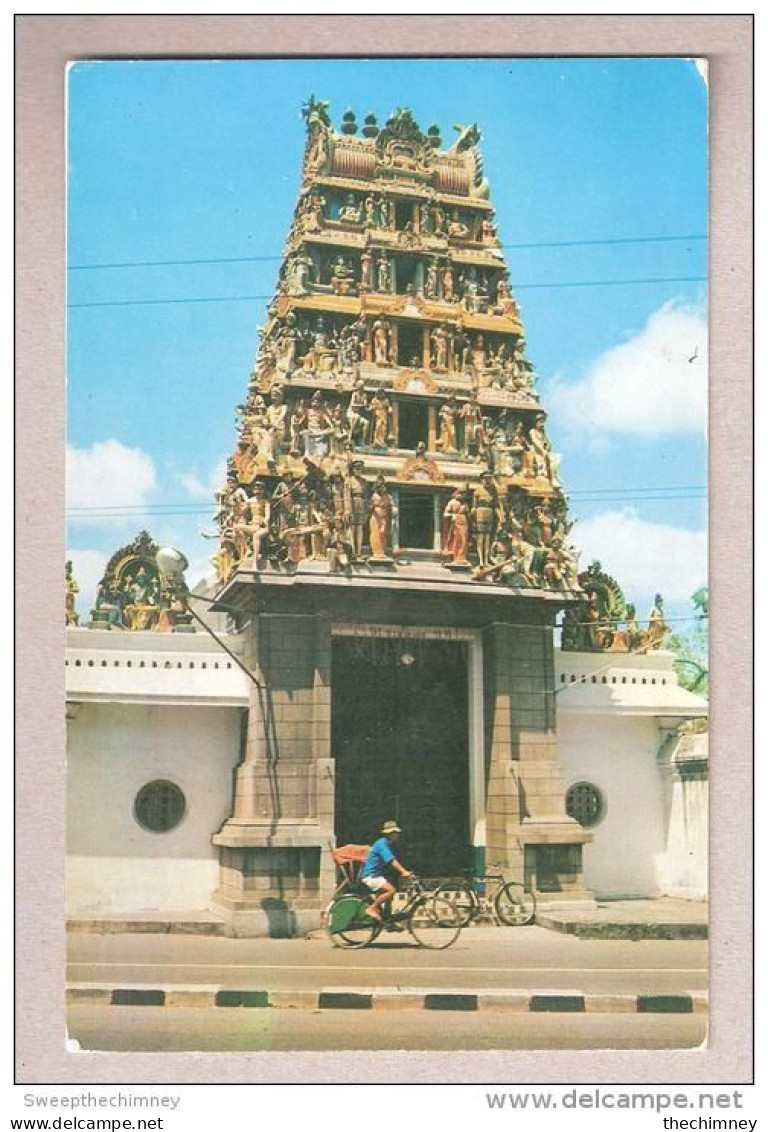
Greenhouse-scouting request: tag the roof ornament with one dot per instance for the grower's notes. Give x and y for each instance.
(468, 142)
(469, 136)
(315, 112)
(402, 147)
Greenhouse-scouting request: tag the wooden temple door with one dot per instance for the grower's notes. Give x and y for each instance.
(400, 739)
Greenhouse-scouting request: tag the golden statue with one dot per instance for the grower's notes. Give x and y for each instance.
(71, 589)
(380, 522)
(455, 536)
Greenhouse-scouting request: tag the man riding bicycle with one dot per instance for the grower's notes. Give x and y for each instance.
(381, 859)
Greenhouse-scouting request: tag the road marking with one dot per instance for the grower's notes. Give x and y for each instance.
(382, 967)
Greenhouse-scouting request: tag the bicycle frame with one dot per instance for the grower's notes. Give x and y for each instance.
(417, 897)
(479, 893)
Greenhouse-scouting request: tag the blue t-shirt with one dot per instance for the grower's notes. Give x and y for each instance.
(379, 857)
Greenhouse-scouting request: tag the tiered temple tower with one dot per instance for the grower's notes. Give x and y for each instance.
(393, 537)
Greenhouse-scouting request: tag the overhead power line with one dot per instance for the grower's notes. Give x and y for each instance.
(260, 298)
(597, 496)
(265, 258)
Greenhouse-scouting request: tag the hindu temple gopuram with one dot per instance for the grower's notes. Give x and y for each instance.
(394, 535)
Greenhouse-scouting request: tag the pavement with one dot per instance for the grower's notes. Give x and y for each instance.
(660, 918)
(656, 964)
(651, 918)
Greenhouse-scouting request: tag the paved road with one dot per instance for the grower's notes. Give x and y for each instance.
(483, 958)
(129, 1028)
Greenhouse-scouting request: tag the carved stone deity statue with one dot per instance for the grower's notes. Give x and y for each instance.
(448, 416)
(469, 287)
(438, 219)
(520, 451)
(277, 420)
(449, 285)
(657, 626)
(541, 523)
(321, 356)
(141, 591)
(381, 342)
(510, 561)
(339, 431)
(479, 355)
(560, 570)
(472, 417)
(380, 521)
(319, 428)
(297, 534)
(366, 271)
(485, 510)
(457, 230)
(298, 274)
(441, 341)
(381, 418)
(297, 426)
(383, 274)
(455, 532)
(253, 418)
(500, 452)
(71, 589)
(369, 211)
(522, 377)
(540, 448)
(283, 498)
(384, 210)
(342, 277)
(431, 281)
(355, 489)
(350, 344)
(350, 210)
(341, 551)
(504, 299)
(488, 231)
(316, 211)
(253, 526)
(286, 343)
(461, 347)
(321, 524)
(358, 414)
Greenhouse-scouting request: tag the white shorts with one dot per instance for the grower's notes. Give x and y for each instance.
(375, 883)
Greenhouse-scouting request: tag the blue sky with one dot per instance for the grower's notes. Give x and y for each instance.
(589, 160)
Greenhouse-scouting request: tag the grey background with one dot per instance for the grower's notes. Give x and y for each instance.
(44, 45)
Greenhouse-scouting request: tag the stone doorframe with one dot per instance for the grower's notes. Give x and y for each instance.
(475, 705)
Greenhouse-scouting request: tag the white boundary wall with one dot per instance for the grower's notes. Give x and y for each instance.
(114, 865)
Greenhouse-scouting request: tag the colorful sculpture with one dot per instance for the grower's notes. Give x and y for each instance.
(394, 327)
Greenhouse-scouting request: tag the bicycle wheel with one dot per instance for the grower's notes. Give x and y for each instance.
(347, 924)
(462, 896)
(435, 922)
(514, 905)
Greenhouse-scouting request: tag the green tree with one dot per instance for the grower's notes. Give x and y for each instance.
(691, 647)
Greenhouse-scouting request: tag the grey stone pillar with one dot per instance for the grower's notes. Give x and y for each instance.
(527, 826)
(275, 868)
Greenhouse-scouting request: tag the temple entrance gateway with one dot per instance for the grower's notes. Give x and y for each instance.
(400, 741)
(415, 682)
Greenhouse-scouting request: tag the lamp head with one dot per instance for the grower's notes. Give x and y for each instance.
(171, 563)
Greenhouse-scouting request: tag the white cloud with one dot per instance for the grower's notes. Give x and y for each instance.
(202, 488)
(652, 385)
(108, 475)
(201, 568)
(644, 558)
(87, 569)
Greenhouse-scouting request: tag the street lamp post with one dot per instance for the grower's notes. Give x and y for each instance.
(171, 564)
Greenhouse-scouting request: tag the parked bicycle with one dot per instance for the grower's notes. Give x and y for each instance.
(430, 917)
(489, 894)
